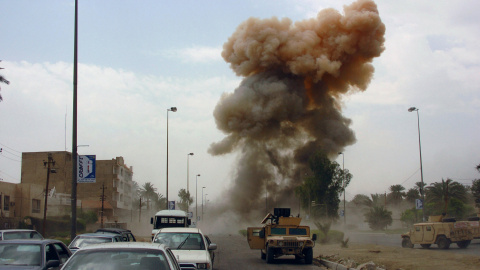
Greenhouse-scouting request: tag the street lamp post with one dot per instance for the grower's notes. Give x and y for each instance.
(422, 188)
(202, 202)
(172, 109)
(343, 184)
(188, 172)
(196, 199)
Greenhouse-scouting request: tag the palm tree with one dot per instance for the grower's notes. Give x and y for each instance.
(412, 194)
(396, 194)
(3, 80)
(440, 193)
(148, 192)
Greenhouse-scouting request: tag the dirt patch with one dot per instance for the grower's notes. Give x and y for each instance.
(393, 258)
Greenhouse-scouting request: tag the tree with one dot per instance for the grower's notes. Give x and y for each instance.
(411, 195)
(476, 189)
(362, 200)
(3, 80)
(185, 199)
(323, 187)
(378, 218)
(396, 194)
(440, 193)
(410, 216)
(148, 192)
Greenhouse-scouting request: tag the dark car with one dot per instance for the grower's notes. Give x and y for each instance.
(126, 234)
(87, 239)
(33, 254)
(19, 234)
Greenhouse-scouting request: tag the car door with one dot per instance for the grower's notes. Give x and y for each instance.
(63, 252)
(254, 239)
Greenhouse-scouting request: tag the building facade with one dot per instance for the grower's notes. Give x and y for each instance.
(114, 183)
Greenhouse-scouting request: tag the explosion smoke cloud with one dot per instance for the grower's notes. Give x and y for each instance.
(289, 104)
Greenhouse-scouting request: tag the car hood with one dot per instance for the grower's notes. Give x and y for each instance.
(12, 267)
(196, 256)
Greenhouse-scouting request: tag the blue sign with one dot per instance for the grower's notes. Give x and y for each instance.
(418, 204)
(86, 169)
(171, 205)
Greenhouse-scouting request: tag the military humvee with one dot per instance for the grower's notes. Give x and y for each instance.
(440, 233)
(280, 235)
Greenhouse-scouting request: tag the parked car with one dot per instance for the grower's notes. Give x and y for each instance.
(126, 234)
(124, 256)
(86, 239)
(189, 245)
(19, 234)
(33, 254)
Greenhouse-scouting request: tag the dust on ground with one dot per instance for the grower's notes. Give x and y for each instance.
(393, 258)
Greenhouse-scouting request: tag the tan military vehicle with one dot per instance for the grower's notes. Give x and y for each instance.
(440, 233)
(281, 235)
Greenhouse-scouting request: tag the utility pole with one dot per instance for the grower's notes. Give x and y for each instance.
(140, 210)
(102, 198)
(48, 163)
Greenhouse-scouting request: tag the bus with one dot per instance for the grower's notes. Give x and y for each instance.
(168, 219)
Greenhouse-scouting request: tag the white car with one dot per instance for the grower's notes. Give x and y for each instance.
(123, 255)
(189, 245)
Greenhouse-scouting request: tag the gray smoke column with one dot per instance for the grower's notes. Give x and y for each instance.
(289, 103)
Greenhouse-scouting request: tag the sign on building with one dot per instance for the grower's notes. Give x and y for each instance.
(86, 169)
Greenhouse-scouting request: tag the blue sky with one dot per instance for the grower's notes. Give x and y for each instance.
(138, 58)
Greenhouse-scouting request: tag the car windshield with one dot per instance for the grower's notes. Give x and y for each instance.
(113, 259)
(20, 254)
(86, 241)
(190, 241)
(21, 235)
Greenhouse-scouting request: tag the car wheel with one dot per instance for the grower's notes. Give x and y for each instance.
(443, 242)
(463, 244)
(308, 256)
(407, 243)
(263, 255)
(270, 254)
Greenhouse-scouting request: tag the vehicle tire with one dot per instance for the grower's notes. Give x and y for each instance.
(463, 244)
(263, 255)
(425, 245)
(406, 243)
(308, 256)
(270, 254)
(443, 242)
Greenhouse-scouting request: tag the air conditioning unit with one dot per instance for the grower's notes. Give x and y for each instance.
(12, 203)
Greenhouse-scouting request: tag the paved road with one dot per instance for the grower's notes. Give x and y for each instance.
(233, 253)
(395, 241)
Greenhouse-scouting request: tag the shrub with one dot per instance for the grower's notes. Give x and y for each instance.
(243, 233)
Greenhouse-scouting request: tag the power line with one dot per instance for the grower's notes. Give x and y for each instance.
(10, 158)
(10, 148)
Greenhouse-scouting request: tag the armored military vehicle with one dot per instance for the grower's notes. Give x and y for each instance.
(280, 235)
(440, 233)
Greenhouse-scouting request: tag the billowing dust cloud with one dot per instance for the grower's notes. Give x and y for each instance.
(289, 103)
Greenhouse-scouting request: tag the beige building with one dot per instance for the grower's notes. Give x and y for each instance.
(113, 177)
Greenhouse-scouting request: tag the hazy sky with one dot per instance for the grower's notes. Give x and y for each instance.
(139, 58)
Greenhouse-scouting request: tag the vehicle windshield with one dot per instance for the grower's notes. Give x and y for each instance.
(20, 254)
(86, 241)
(113, 259)
(167, 222)
(21, 235)
(189, 241)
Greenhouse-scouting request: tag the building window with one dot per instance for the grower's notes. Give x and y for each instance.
(35, 206)
(6, 203)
